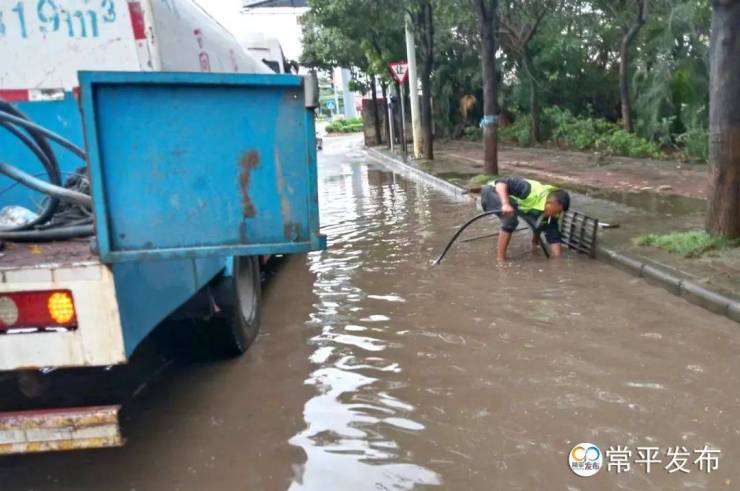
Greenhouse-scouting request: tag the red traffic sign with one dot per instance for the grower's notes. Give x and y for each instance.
(400, 71)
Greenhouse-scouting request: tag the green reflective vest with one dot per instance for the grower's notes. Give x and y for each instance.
(536, 198)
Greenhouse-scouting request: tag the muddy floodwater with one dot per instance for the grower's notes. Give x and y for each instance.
(376, 371)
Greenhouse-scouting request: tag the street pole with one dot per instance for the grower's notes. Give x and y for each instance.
(413, 87)
(347, 95)
(404, 150)
(336, 92)
(391, 128)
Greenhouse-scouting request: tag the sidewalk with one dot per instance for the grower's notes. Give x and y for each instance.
(640, 195)
(617, 174)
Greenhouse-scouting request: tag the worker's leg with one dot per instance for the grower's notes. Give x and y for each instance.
(509, 223)
(490, 201)
(503, 243)
(533, 216)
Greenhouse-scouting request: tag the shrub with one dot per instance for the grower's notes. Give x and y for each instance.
(577, 133)
(517, 132)
(481, 180)
(692, 243)
(473, 133)
(620, 142)
(586, 133)
(695, 144)
(345, 125)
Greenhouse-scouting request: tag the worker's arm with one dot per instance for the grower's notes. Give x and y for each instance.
(502, 189)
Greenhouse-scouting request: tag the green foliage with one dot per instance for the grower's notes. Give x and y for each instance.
(693, 243)
(564, 129)
(457, 71)
(695, 144)
(481, 179)
(345, 125)
(473, 133)
(517, 132)
(576, 133)
(597, 134)
(352, 33)
(572, 64)
(672, 72)
(621, 142)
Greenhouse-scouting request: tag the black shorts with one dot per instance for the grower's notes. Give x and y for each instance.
(490, 201)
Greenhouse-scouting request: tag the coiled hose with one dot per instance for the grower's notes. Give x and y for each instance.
(66, 211)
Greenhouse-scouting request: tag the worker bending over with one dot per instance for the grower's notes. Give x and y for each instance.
(540, 202)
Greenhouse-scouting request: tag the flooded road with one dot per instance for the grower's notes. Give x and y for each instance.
(376, 371)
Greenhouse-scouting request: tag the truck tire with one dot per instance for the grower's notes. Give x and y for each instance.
(238, 330)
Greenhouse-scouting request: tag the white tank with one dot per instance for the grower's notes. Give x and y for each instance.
(42, 46)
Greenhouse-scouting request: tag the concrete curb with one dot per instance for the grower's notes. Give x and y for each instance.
(713, 301)
(692, 292)
(452, 191)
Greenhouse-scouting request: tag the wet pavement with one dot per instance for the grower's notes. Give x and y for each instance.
(376, 371)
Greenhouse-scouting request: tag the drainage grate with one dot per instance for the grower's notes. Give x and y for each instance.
(579, 232)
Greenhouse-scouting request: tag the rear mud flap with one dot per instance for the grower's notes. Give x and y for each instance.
(59, 429)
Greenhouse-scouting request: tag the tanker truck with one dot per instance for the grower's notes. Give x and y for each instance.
(148, 165)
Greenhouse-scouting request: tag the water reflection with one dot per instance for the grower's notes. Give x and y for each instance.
(350, 439)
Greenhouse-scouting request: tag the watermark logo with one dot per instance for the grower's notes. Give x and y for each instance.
(585, 459)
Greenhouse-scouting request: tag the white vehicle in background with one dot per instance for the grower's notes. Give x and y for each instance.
(265, 49)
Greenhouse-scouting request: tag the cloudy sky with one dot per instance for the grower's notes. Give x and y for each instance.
(226, 11)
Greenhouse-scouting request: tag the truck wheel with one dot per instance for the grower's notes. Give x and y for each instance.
(238, 330)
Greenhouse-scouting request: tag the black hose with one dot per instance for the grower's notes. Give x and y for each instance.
(459, 231)
(59, 233)
(65, 212)
(32, 182)
(535, 226)
(46, 133)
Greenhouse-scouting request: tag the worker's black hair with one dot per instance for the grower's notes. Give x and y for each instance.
(562, 197)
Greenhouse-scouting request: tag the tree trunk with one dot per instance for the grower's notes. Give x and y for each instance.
(624, 60)
(487, 24)
(534, 114)
(534, 106)
(384, 89)
(376, 113)
(426, 80)
(723, 215)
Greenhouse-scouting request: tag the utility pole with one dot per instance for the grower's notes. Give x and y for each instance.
(347, 95)
(391, 126)
(487, 19)
(336, 80)
(413, 87)
(404, 150)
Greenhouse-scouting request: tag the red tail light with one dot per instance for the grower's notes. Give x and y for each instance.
(40, 310)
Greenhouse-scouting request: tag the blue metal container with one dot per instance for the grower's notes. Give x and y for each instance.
(187, 165)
